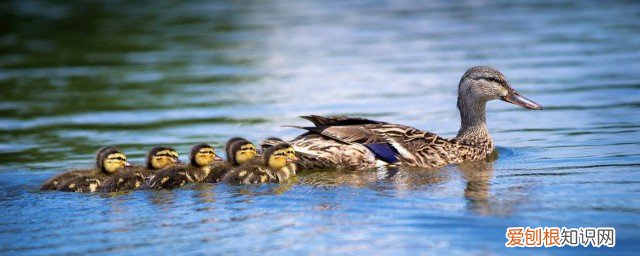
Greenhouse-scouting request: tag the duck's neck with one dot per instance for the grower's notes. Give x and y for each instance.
(473, 125)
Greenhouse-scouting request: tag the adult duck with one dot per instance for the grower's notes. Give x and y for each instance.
(356, 143)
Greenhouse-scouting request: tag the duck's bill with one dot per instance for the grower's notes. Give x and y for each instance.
(514, 97)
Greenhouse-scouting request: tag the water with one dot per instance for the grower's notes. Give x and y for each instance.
(76, 76)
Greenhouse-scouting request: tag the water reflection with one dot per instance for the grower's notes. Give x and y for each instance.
(478, 175)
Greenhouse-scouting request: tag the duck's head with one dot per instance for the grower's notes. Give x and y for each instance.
(271, 141)
(481, 84)
(230, 142)
(110, 159)
(291, 153)
(161, 157)
(241, 152)
(203, 155)
(276, 157)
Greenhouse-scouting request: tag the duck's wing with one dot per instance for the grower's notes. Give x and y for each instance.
(87, 183)
(416, 147)
(218, 170)
(248, 174)
(339, 120)
(131, 178)
(391, 143)
(174, 176)
(53, 183)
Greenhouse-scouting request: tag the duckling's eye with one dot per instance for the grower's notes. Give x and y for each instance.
(167, 155)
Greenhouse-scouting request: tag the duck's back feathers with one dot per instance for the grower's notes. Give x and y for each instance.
(218, 170)
(53, 183)
(316, 151)
(335, 141)
(90, 181)
(252, 173)
(177, 176)
(338, 120)
(130, 178)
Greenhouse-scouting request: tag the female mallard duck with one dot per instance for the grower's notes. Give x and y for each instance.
(356, 143)
(274, 167)
(133, 177)
(52, 184)
(239, 151)
(109, 162)
(201, 158)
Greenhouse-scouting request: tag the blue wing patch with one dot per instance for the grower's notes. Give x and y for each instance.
(384, 152)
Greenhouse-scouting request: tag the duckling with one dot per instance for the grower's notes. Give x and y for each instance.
(201, 158)
(109, 162)
(230, 142)
(134, 176)
(52, 184)
(239, 151)
(291, 152)
(272, 168)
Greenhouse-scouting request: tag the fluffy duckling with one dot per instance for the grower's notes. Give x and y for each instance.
(52, 184)
(291, 153)
(110, 161)
(134, 177)
(274, 167)
(201, 158)
(230, 142)
(239, 151)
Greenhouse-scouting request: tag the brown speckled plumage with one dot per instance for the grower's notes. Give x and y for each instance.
(344, 142)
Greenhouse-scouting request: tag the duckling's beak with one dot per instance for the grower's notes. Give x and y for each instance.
(289, 160)
(217, 158)
(127, 164)
(514, 97)
(295, 159)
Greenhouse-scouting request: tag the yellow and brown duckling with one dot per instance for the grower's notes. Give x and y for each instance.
(134, 177)
(53, 183)
(109, 162)
(291, 152)
(239, 152)
(274, 167)
(201, 158)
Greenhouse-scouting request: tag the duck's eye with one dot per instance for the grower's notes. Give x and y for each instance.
(207, 152)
